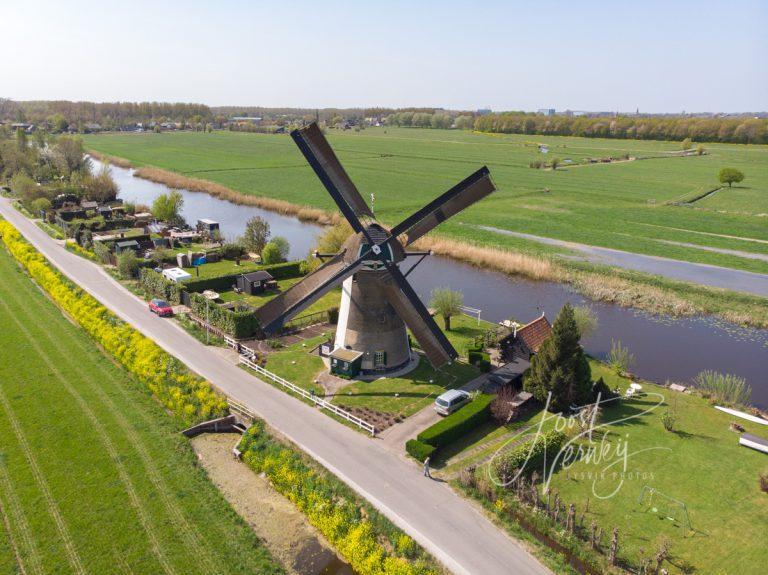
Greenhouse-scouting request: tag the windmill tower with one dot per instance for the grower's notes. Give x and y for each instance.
(377, 301)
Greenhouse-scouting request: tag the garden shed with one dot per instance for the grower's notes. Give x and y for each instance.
(176, 275)
(255, 282)
(207, 227)
(120, 247)
(346, 362)
(105, 212)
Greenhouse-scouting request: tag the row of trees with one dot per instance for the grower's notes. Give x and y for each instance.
(57, 113)
(736, 130)
(439, 120)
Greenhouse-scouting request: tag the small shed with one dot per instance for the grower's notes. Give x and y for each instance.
(120, 247)
(89, 205)
(105, 212)
(346, 362)
(207, 227)
(161, 243)
(176, 275)
(255, 282)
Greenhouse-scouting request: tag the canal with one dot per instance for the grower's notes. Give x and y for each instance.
(665, 348)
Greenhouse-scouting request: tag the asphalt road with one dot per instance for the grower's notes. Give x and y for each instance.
(445, 524)
(704, 274)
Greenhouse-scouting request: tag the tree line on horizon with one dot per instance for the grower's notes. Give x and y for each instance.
(740, 130)
(57, 116)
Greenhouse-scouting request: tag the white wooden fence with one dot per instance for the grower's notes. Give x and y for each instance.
(307, 395)
(240, 348)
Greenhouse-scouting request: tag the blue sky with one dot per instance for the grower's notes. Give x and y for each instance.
(585, 55)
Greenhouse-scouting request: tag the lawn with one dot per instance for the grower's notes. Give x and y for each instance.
(407, 394)
(401, 395)
(624, 205)
(700, 464)
(223, 268)
(329, 300)
(464, 330)
(94, 476)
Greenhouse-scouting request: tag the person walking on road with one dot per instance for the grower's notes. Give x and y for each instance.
(426, 468)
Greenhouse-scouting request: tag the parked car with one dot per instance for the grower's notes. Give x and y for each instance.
(450, 401)
(160, 307)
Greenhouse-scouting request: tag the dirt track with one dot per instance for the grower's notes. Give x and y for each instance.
(297, 545)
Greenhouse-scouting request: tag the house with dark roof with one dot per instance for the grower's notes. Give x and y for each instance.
(525, 341)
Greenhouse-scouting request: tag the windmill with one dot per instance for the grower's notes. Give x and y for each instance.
(377, 301)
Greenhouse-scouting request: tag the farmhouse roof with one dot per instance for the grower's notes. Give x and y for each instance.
(534, 333)
(260, 275)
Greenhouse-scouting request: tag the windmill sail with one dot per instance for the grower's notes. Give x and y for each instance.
(408, 306)
(323, 160)
(458, 198)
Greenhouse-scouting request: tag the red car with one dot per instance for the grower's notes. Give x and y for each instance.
(160, 307)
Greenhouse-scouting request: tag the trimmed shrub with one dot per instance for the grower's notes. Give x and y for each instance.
(285, 270)
(189, 397)
(458, 423)
(156, 285)
(128, 264)
(531, 453)
(239, 322)
(475, 356)
(418, 450)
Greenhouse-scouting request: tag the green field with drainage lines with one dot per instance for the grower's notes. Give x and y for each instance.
(647, 204)
(94, 475)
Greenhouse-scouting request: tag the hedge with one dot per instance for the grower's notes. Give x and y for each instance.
(189, 397)
(531, 453)
(418, 450)
(458, 423)
(155, 284)
(330, 506)
(476, 356)
(239, 322)
(225, 282)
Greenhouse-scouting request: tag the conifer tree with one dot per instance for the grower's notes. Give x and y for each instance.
(560, 366)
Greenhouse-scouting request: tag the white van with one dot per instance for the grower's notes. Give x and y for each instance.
(450, 401)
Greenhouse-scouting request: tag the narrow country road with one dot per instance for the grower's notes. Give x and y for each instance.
(704, 274)
(444, 523)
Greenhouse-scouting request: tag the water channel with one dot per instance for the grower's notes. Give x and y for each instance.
(665, 348)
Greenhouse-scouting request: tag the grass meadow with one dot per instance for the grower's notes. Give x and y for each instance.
(94, 476)
(700, 463)
(625, 205)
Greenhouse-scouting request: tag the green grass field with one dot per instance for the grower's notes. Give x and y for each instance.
(94, 476)
(396, 395)
(700, 464)
(622, 205)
